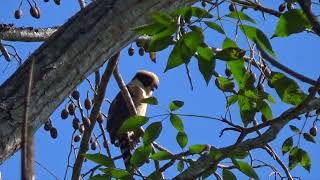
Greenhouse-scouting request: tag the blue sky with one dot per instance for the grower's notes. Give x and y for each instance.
(297, 52)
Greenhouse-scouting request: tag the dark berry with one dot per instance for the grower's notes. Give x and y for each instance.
(18, 14)
(76, 123)
(75, 94)
(88, 104)
(77, 138)
(131, 51)
(53, 133)
(64, 113)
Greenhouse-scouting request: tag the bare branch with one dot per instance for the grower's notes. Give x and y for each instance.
(27, 151)
(93, 116)
(27, 34)
(4, 52)
(257, 6)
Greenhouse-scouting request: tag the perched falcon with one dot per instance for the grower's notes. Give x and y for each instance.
(140, 87)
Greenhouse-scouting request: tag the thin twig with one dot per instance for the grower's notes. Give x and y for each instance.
(282, 67)
(93, 116)
(46, 169)
(27, 151)
(4, 52)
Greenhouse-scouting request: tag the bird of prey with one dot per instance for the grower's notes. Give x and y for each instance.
(140, 87)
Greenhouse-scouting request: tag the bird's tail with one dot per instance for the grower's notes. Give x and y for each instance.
(124, 145)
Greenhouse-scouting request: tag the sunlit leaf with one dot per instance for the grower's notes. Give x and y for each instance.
(287, 145)
(230, 54)
(232, 99)
(177, 122)
(305, 161)
(215, 27)
(140, 155)
(152, 132)
(246, 169)
(182, 139)
(240, 15)
(197, 148)
(292, 21)
(175, 105)
(287, 89)
(151, 100)
(258, 37)
(100, 159)
(133, 123)
(161, 155)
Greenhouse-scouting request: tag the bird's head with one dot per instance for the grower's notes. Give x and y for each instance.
(147, 80)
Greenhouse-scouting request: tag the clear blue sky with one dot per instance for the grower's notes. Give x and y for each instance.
(297, 51)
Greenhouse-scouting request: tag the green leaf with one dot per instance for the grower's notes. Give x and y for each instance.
(182, 139)
(117, 173)
(247, 109)
(161, 155)
(294, 157)
(246, 169)
(265, 109)
(152, 132)
(293, 21)
(308, 137)
(197, 148)
(206, 62)
(100, 159)
(258, 37)
(133, 123)
(206, 53)
(237, 67)
(140, 155)
(231, 100)
(177, 122)
(224, 84)
(150, 100)
(287, 145)
(294, 129)
(230, 54)
(160, 43)
(240, 15)
(238, 153)
(215, 26)
(305, 161)
(175, 105)
(287, 89)
(228, 43)
(184, 49)
(150, 29)
(228, 175)
(180, 166)
(195, 11)
(162, 18)
(193, 40)
(100, 177)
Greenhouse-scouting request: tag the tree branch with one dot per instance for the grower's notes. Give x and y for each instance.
(93, 116)
(28, 34)
(4, 52)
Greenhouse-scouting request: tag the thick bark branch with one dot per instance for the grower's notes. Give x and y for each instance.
(76, 50)
(27, 34)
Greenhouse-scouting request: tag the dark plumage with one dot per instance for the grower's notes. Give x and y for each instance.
(140, 87)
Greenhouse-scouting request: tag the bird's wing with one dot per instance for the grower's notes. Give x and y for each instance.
(119, 112)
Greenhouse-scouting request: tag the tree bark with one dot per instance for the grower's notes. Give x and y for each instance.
(76, 50)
